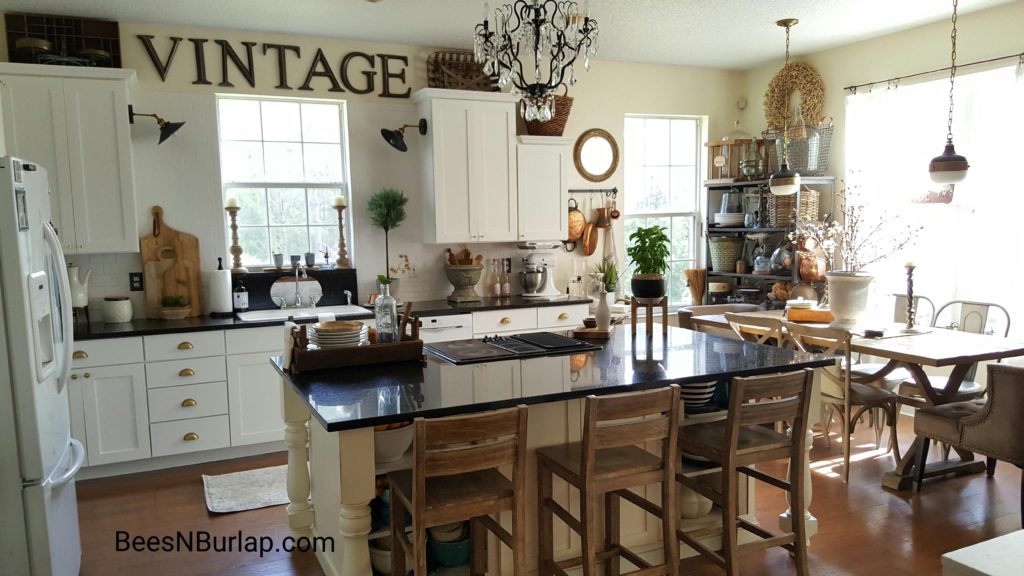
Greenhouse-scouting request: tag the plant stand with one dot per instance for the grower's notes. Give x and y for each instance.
(649, 315)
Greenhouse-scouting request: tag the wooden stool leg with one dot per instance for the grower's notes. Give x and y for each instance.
(397, 534)
(649, 319)
(519, 567)
(669, 521)
(632, 314)
(611, 532)
(798, 508)
(419, 551)
(588, 522)
(545, 519)
(664, 315)
(478, 535)
(730, 512)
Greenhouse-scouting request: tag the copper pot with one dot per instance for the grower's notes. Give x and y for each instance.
(812, 269)
(577, 221)
(589, 239)
(602, 218)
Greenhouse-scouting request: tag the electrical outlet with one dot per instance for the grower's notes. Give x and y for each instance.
(413, 272)
(135, 281)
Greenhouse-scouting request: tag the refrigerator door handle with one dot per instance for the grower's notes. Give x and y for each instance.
(66, 319)
(72, 471)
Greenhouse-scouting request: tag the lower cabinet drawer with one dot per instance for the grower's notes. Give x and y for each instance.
(179, 372)
(190, 435)
(561, 316)
(493, 321)
(191, 401)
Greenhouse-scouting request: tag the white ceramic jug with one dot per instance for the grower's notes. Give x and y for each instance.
(79, 289)
(604, 314)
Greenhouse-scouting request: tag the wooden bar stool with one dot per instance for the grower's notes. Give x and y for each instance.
(455, 477)
(607, 463)
(740, 441)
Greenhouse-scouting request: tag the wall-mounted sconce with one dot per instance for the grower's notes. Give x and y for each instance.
(397, 137)
(166, 128)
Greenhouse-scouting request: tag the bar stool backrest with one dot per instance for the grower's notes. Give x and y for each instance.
(631, 419)
(758, 400)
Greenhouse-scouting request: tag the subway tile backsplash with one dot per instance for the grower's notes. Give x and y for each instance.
(109, 278)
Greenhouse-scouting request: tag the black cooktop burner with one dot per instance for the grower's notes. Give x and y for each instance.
(502, 347)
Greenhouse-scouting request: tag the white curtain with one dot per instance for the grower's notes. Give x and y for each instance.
(972, 249)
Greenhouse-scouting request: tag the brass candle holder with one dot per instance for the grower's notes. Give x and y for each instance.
(342, 260)
(236, 249)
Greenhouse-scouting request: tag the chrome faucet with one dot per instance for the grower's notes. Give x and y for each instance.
(298, 299)
(348, 297)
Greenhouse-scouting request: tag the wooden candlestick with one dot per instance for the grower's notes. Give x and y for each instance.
(236, 249)
(342, 260)
(910, 301)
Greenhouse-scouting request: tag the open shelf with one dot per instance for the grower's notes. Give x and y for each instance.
(734, 183)
(763, 230)
(754, 276)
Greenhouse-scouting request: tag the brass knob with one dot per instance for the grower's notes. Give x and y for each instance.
(563, 316)
(74, 376)
(79, 355)
(190, 437)
(506, 320)
(188, 403)
(87, 375)
(185, 346)
(186, 372)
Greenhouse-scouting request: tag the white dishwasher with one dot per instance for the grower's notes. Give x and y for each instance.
(447, 327)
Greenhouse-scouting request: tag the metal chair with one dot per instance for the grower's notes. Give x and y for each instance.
(892, 380)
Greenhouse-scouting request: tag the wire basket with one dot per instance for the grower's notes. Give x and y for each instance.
(724, 252)
(808, 147)
(457, 70)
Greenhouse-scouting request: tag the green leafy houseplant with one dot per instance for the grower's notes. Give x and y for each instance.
(387, 211)
(649, 255)
(174, 301)
(609, 275)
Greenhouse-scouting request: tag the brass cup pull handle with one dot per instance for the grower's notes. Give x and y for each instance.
(87, 375)
(506, 320)
(190, 437)
(74, 376)
(563, 316)
(185, 346)
(188, 403)
(186, 372)
(79, 355)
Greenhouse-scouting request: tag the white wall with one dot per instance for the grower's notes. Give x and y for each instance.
(182, 175)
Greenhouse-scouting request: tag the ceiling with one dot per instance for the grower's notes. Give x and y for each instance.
(735, 34)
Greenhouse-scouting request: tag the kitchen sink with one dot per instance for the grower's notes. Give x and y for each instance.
(341, 311)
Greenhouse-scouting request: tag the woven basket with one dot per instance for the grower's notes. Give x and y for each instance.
(457, 70)
(555, 126)
(724, 252)
(781, 208)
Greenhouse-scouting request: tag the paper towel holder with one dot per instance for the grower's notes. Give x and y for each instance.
(222, 313)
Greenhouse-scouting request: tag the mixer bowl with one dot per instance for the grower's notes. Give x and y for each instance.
(533, 280)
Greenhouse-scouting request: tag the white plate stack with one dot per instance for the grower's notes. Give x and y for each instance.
(339, 334)
(729, 219)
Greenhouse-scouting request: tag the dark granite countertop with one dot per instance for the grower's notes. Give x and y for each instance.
(358, 397)
(148, 327)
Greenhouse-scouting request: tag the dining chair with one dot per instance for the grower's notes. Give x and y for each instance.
(757, 329)
(987, 428)
(688, 312)
(740, 442)
(455, 477)
(849, 400)
(968, 316)
(895, 378)
(608, 462)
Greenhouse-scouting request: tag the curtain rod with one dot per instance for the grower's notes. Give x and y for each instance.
(946, 69)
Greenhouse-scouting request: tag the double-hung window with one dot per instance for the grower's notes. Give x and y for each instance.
(285, 161)
(662, 156)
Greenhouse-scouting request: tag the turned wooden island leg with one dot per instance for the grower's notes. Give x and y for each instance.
(810, 522)
(296, 438)
(357, 489)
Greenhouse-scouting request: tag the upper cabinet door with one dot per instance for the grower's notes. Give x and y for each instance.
(544, 190)
(35, 128)
(493, 155)
(452, 209)
(99, 149)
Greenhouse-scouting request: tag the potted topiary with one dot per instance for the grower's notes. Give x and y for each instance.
(649, 254)
(174, 307)
(387, 211)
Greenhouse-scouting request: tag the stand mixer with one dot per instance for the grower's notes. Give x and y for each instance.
(538, 277)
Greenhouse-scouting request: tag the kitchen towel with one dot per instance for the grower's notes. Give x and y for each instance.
(218, 284)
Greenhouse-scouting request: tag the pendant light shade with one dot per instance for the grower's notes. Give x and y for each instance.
(167, 129)
(949, 167)
(396, 137)
(784, 182)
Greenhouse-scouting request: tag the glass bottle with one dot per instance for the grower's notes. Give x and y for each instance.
(495, 280)
(506, 286)
(240, 296)
(385, 313)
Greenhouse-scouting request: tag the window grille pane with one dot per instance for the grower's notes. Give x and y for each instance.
(281, 121)
(253, 204)
(289, 240)
(239, 119)
(287, 206)
(284, 161)
(241, 161)
(321, 205)
(322, 162)
(320, 123)
(255, 243)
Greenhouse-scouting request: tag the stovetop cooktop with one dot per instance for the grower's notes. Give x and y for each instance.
(505, 347)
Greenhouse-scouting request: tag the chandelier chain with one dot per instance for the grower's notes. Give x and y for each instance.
(787, 45)
(952, 75)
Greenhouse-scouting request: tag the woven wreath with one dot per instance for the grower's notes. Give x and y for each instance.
(794, 76)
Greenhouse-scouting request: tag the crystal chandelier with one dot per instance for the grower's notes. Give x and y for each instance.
(550, 34)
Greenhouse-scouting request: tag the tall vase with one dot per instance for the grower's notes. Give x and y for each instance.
(385, 312)
(848, 296)
(603, 314)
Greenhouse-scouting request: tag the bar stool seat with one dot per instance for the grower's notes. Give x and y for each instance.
(455, 494)
(609, 464)
(706, 439)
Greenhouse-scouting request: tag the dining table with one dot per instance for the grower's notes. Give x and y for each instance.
(915, 350)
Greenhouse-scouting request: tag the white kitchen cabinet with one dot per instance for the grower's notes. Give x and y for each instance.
(74, 123)
(469, 166)
(254, 399)
(543, 168)
(116, 412)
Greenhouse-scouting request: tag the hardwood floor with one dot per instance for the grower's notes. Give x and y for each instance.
(865, 529)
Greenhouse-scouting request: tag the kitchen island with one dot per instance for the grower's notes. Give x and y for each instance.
(334, 411)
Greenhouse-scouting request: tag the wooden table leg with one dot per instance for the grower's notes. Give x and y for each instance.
(632, 314)
(296, 438)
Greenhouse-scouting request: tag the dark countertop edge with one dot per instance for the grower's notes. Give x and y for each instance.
(512, 402)
(206, 323)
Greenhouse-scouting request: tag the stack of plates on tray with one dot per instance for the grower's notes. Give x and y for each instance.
(730, 219)
(339, 334)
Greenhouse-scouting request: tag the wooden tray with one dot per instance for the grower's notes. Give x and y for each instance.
(305, 360)
(592, 333)
(809, 315)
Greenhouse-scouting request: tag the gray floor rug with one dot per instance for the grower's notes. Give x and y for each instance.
(246, 490)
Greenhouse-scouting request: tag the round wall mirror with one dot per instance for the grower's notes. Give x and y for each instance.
(596, 155)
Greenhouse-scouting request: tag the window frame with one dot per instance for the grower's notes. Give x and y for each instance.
(345, 186)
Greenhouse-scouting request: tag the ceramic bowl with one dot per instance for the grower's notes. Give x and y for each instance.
(590, 322)
(446, 533)
(174, 313)
(390, 445)
(450, 553)
(697, 394)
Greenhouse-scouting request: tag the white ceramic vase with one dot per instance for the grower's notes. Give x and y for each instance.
(79, 289)
(847, 296)
(604, 313)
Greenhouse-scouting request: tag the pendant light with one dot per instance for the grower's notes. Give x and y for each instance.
(949, 167)
(785, 182)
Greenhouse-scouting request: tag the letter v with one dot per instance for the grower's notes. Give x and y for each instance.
(161, 67)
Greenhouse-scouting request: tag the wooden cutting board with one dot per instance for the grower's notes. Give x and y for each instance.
(170, 264)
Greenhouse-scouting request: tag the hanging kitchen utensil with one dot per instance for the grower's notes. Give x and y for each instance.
(614, 213)
(602, 218)
(569, 245)
(589, 239)
(577, 221)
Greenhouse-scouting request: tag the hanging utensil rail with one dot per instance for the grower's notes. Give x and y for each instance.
(608, 192)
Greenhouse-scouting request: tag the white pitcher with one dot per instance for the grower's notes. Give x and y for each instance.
(79, 289)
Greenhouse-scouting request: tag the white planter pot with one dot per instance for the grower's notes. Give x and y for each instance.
(848, 296)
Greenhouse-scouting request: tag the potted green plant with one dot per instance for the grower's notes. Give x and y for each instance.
(649, 257)
(174, 307)
(387, 211)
